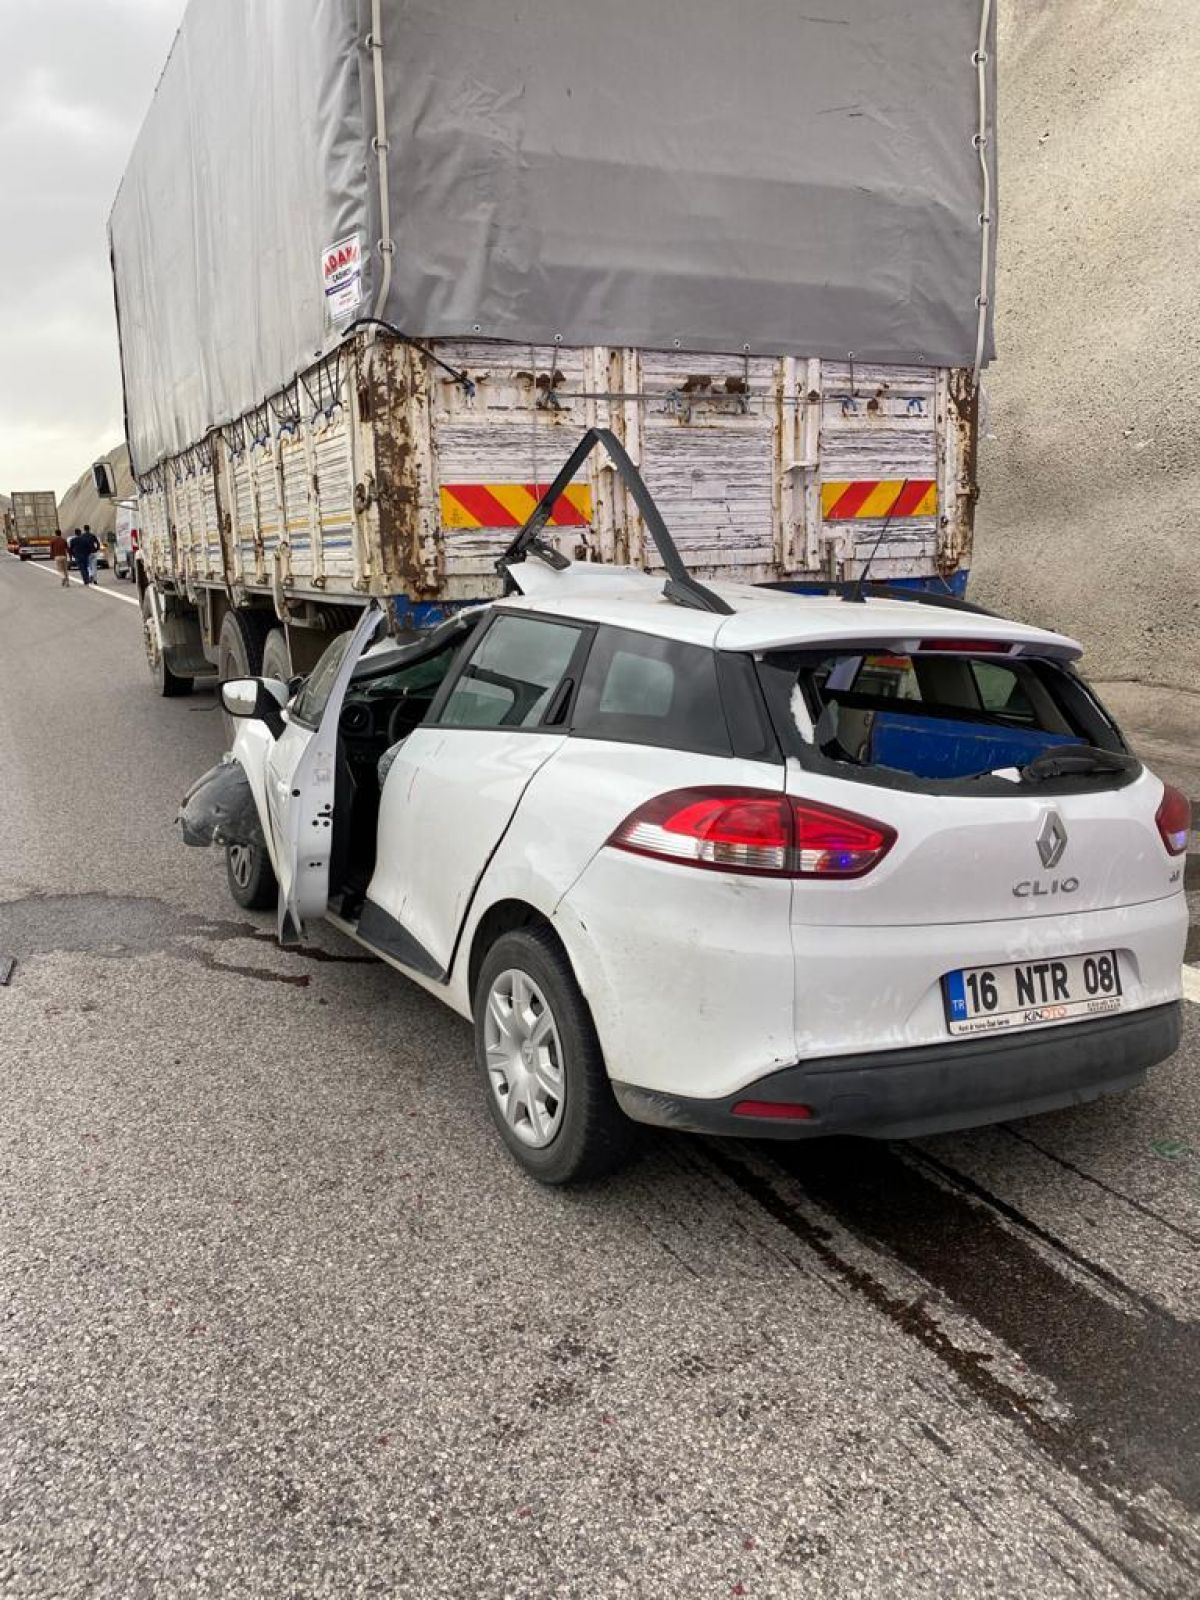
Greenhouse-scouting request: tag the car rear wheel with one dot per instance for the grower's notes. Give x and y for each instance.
(540, 1060)
(251, 877)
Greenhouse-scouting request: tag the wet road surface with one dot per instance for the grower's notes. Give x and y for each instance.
(280, 1318)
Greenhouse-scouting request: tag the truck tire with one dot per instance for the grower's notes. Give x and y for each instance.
(240, 646)
(276, 658)
(576, 1131)
(250, 876)
(240, 652)
(168, 684)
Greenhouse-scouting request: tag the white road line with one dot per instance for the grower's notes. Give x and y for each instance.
(113, 594)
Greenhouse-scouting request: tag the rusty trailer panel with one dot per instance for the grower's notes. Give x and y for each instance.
(401, 472)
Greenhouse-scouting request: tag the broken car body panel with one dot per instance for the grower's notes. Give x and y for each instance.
(221, 808)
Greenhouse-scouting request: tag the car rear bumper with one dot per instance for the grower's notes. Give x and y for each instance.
(961, 1083)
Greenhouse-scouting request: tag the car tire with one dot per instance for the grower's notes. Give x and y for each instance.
(168, 683)
(250, 877)
(571, 1137)
(276, 659)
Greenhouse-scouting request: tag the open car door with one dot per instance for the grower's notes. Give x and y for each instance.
(301, 789)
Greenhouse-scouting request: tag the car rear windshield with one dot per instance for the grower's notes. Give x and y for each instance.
(942, 718)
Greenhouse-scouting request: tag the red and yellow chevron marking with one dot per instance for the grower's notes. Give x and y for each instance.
(510, 505)
(844, 498)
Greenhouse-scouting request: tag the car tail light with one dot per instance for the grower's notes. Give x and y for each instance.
(780, 1110)
(754, 831)
(1174, 818)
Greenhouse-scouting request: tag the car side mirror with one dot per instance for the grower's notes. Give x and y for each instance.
(260, 698)
(104, 479)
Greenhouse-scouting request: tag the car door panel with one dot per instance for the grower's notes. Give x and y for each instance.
(447, 803)
(456, 783)
(301, 789)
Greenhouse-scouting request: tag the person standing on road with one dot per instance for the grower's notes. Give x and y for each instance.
(60, 554)
(81, 551)
(93, 550)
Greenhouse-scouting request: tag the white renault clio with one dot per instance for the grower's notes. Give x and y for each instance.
(724, 859)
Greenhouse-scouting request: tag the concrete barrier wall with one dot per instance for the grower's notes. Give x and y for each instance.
(1089, 518)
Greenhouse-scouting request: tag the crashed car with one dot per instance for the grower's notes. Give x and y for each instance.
(724, 859)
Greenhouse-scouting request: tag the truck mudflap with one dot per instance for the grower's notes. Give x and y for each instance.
(219, 808)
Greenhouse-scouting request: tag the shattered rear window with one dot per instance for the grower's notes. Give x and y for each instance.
(938, 716)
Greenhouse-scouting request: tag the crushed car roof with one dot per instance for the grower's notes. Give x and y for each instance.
(761, 619)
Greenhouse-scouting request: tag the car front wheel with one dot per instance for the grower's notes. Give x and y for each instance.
(540, 1060)
(251, 877)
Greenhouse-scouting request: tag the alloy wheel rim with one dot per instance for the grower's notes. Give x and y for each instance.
(524, 1058)
(241, 863)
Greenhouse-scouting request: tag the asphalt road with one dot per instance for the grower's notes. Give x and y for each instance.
(281, 1319)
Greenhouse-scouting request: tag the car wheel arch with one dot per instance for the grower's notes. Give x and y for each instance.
(258, 788)
(503, 916)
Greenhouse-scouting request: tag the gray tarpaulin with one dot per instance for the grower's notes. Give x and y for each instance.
(252, 160)
(795, 176)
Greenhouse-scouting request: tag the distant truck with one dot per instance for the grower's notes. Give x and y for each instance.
(31, 523)
(760, 254)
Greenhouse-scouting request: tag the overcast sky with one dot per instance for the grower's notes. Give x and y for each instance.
(76, 78)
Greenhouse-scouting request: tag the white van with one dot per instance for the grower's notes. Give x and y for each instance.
(127, 538)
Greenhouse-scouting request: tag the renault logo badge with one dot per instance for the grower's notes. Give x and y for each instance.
(1052, 839)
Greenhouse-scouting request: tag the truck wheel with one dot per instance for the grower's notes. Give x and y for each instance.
(541, 1064)
(251, 877)
(168, 684)
(240, 652)
(276, 661)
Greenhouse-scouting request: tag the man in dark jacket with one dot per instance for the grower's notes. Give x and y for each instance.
(93, 549)
(83, 546)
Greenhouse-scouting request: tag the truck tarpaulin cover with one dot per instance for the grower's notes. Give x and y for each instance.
(792, 179)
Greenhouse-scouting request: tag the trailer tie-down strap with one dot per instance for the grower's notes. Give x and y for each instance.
(680, 586)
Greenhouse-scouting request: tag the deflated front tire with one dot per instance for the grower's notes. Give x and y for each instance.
(219, 809)
(252, 882)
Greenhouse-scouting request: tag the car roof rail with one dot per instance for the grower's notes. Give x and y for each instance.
(880, 591)
(680, 586)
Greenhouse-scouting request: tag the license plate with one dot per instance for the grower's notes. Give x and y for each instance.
(1028, 994)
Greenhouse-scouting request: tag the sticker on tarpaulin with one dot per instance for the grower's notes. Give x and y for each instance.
(341, 269)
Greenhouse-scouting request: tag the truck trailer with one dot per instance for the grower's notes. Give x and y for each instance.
(377, 270)
(32, 523)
